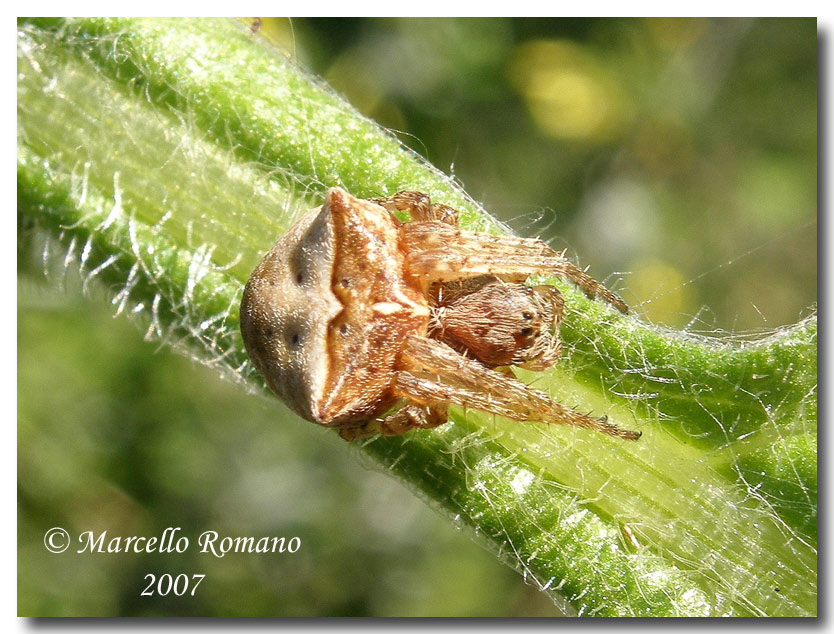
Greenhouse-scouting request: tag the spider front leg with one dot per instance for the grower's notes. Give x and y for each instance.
(438, 374)
(420, 207)
(442, 253)
(408, 417)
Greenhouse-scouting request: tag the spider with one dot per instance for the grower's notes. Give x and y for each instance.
(363, 322)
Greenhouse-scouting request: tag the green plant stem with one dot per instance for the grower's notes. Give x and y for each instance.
(165, 156)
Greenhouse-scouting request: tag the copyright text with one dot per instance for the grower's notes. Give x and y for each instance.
(172, 541)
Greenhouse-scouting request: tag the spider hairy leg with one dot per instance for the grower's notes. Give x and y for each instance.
(420, 207)
(406, 418)
(439, 374)
(442, 253)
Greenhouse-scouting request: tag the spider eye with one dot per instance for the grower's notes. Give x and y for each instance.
(527, 315)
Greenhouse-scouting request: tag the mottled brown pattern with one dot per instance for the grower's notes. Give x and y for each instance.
(380, 310)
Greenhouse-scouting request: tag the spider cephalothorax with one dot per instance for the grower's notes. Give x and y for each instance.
(499, 323)
(353, 312)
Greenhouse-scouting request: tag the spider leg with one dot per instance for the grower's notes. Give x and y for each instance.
(420, 207)
(438, 374)
(404, 419)
(442, 253)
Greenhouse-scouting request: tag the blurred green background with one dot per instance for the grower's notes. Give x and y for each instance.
(675, 157)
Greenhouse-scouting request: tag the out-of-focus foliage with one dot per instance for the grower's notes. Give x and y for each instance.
(680, 152)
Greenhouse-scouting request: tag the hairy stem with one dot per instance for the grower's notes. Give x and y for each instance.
(165, 156)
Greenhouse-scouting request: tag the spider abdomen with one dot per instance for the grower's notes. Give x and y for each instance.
(324, 314)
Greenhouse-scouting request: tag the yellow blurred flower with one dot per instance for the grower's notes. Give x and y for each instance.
(569, 95)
